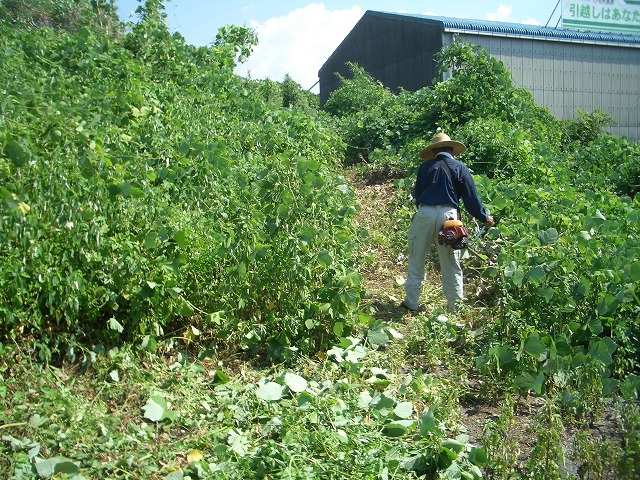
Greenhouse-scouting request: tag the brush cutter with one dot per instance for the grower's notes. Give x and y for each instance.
(479, 235)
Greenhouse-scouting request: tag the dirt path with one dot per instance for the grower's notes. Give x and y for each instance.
(385, 249)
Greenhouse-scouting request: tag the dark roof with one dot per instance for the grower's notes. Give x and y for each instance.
(450, 24)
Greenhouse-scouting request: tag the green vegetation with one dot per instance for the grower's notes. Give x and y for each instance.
(199, 272)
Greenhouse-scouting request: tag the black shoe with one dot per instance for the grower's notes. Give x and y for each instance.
(406, 307)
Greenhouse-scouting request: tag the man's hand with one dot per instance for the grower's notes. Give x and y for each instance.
(489, 222)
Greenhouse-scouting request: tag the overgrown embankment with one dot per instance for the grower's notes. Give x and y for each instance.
(190, 285)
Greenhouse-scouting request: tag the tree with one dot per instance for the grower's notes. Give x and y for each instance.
(70, 15)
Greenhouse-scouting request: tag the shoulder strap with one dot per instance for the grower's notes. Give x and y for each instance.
(450, 175)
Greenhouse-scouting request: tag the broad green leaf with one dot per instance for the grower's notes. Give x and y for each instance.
(478, 456)
(337, 353)
(180, 237)
(115, 325)
(310, 178)
(547, 237)
(523, 241)
(536, 275)
(351, 299)
(584, 235)
(635, 271)
(364, 319)
(352, 279)
(546, 293)
(498, 203)
(583, 287)
(36, 420)
(417, 463)
(596, 327)
(269, 392)
(16, 153)
(184, 308)
(341, 435)
(150, 239)
(609, 386)
(155, 408)
(429, 424)
(453, 445)
(515, 273)
(215, 317)
(570, 400)
(377, 337)
(325, 258)
(395, 334)
(149, 344)
(33, 452)
(343, 188)
(238, 442)
(241, 269)
(364, 400)
(608, 304)
(127, 190)
(526, 382)
(397, 428)
(219, 377)
(475, 472)
(338, 329)
(6, 195)
(348, 342)
(584, 241)
(305, 400)
(295, 382)
(403, 409)
(535, 347)
(630, 387)
(490, 272)
(518, 277)
(602, 350)
(563, 347)
(355, 355)
(383, 404)
(314, 165)
(55, 465)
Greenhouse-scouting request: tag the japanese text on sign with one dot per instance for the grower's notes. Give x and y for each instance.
(617, 16)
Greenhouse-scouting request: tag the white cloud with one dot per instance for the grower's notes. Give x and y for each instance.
(299, 43)
(532, 21)
(503, 14)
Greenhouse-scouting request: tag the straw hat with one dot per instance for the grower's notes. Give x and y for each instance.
(440, 140)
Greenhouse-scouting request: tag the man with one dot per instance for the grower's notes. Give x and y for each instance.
(441, 182)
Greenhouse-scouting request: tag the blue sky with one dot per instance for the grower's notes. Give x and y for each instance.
(296, 36)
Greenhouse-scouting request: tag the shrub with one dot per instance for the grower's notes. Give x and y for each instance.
(369, 115)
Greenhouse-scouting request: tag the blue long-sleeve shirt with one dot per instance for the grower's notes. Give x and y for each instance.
(433, 186)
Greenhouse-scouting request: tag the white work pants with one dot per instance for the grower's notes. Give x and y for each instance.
(423, 233)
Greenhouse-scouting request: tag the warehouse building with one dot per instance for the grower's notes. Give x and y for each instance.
(565, 70)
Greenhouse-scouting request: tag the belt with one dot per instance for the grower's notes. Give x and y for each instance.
(450, 205)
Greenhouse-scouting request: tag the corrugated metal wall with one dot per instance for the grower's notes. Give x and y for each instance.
(399, 54)
(565, 77)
